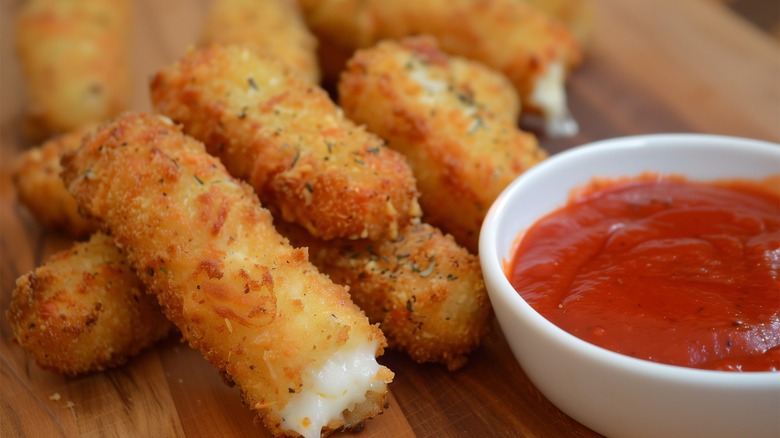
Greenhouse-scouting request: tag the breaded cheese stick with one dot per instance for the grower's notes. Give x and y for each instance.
(84, 310)
(577, 15)
(535, 52)
(75, 56)
(301, 352)
(462, 155)
(272, 26)
(290, 141)
(426, 292)
(38, 185)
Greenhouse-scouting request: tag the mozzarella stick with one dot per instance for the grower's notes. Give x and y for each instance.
(462, 155)
(534, 51)
(272, 26)
(425, 291)
(290, 142)
(84, 310)
(38, 185)
(75, 56)
(301, 352)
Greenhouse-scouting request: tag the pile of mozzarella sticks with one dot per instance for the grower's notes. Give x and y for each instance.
(287, 233)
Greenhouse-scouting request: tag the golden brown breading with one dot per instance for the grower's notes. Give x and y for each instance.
(84, 310)
(425, 291)
(576, 15)
(461, 154)
(531, 49)
(39, 187)
(290, 141)
(253, 305)
(75, 56)
(477, 81)
(272, 26)
(486, 87)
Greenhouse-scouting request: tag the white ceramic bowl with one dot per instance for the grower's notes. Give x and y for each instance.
(613, 394)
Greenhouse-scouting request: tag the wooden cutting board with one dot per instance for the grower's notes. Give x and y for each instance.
(664, 66)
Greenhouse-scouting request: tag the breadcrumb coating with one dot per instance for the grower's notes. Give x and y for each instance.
(290, 142)
(272, 26)
(462, 155)
(253, 305)
(84, 310)
(508, 35)
(576, 15)
(425, 291)
(75, 56)
(40, 189)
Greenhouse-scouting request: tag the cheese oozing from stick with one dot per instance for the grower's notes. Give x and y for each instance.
(342, 382)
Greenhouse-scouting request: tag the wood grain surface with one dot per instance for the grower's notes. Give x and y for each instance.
(663, 66)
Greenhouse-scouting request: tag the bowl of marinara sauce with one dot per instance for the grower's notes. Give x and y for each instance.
(637, 282)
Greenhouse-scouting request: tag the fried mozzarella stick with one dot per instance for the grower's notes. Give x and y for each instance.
(426, 292)
(39, 187)
(535, 52)
(273, 26)
(290, 142)
(75, 56)
(462, 155)
(302, 353)
(84, 310)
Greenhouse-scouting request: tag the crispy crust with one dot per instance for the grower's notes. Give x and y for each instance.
(507, 35)
(39, 187)
(426, 292)
(462, 155)
(272, 26)
(75, 56)
(290, 141)
(576, 15)
(489, 88)
(248, 301)
(84, 310)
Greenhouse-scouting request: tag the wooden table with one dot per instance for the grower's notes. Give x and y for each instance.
(665, 66)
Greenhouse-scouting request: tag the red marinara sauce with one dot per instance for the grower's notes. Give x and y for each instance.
(662, 269)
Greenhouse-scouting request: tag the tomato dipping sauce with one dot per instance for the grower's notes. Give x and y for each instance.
(661, 269)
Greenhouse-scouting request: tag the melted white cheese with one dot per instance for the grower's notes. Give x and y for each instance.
(339, 385)
(549, 94)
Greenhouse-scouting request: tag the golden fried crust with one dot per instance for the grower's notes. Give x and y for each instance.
(75, 59)
(84, 310)
(473, 80)
(290, 141)
(272, 26)
(576, 15)
(426, 292)
(199, 239)
(462, 155)
(39, 187)
(508, 35)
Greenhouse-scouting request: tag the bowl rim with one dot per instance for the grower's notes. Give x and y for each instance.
(493, 263)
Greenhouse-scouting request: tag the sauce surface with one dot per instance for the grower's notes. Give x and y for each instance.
(670, 271)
